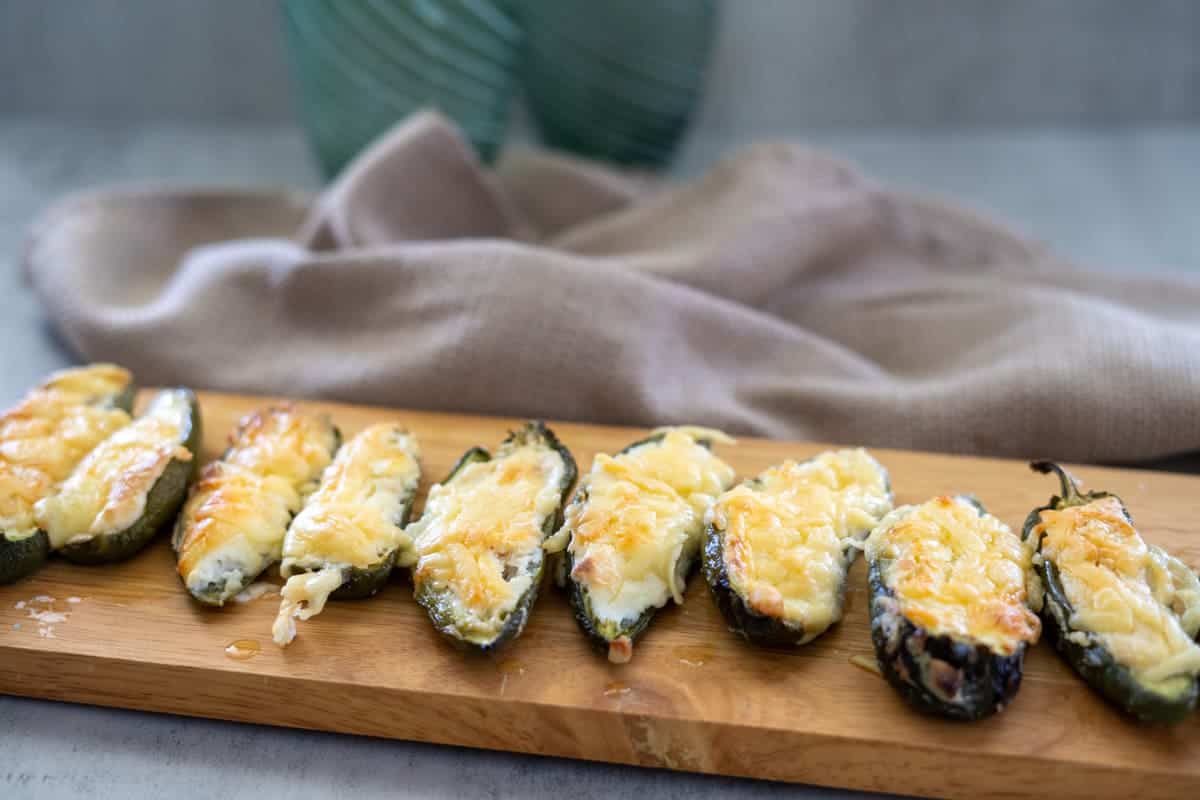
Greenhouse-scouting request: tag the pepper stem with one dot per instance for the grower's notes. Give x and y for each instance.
(1070, 489)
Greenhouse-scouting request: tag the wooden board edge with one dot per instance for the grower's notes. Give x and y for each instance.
(634, 739)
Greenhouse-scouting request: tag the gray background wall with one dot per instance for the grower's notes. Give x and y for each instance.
(1076, 121)
(779, 64)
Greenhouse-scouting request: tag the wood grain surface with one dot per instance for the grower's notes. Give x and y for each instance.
(694, 698)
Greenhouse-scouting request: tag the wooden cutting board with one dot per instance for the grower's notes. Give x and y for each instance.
(694, 698)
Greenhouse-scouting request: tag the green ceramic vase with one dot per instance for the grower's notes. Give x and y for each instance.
(616, 79)
(359, 66)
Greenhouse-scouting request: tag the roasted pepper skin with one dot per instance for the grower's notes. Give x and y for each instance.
(1095, 663)
(751, 625)
(20, 558)
(443, 621)
(162, 504)
(939, 674)
(602, 635)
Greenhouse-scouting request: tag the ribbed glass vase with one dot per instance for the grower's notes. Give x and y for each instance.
(359, 66)
(619, 79)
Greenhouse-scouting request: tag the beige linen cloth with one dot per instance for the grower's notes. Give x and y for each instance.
(783, 294)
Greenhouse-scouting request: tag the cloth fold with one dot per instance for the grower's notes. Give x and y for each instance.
(783, 294)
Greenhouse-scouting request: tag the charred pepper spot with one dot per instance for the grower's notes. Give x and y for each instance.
(945, 680)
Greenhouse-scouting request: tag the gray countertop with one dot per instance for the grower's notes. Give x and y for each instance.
(1114, 200)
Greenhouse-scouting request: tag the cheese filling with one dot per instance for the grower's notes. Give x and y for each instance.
(94, 384)
(107, 492)
(285, 443)
(789, 537)
(234, 520)
(957, 573)
(1141, 604)
(45, 436)
(351, 521)
(640, 519)
(303, 597)
(479, 540)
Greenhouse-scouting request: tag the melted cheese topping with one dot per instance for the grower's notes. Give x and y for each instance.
(481, 533)
(641, 516)
(353, 518)
(95, 383)
(789, 540)
(233, 519)
(304, 596)
(351, 521)
(1140, 603)
(233, 523)
(958, 573)
(107, 492)
(47, 434)
(285, 443)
